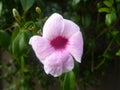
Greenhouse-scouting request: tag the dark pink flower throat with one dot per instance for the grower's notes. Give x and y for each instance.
(59, 42)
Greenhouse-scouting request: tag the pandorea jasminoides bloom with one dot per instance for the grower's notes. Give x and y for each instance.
(61, 41)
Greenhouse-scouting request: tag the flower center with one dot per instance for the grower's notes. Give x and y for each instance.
(59, 42)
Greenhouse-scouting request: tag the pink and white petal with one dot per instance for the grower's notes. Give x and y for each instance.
(54, 70)
(54, 64)
(53, 26)
(70, 28)
(41, 47)
(75, 46)
(68, 65)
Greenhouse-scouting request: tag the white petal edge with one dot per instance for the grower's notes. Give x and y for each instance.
(68, 65)
(55, 64)
(41, 47)
(53, 26)
(70, 28)
(75, 46)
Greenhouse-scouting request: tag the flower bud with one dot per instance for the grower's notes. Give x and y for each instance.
(16, 14)
(38, 10)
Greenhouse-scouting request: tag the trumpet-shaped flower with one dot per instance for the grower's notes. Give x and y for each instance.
(61, 41)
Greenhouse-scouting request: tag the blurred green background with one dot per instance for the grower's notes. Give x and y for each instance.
(99, 23)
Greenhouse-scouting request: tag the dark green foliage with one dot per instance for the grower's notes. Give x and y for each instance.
(99, 22)
(4, 39)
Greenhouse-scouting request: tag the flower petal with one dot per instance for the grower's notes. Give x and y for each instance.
(68, 65)
(53, 26)
(53, 65)
(70, 28)
(75, 46)
(56, 65)
(41, 47)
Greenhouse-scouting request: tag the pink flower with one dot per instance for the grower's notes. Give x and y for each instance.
(61, 41)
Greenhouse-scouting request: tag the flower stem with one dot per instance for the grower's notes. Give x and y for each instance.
(102, 62)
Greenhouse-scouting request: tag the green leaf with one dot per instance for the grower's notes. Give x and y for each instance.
(115, 33)
(20, 43)
(110, 17)
(117, 0)
(14, 33)
(0, 8)
(4, 39)
(69, 81)
(27, 4)
(108, 3)
(75, 2)
(104, 9)
(86, 20)
(118, 53)
(15, 45)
